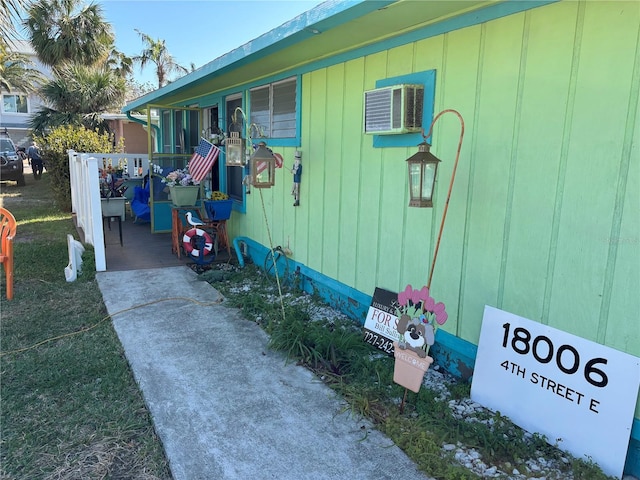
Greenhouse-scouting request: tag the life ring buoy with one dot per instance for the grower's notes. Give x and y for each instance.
(190, 245)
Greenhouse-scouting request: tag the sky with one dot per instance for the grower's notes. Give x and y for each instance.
(195, 31)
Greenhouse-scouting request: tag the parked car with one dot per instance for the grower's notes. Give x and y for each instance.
(11, 165)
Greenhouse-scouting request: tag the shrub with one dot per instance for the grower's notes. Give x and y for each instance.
(55, 147)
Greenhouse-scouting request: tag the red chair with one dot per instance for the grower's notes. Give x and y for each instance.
(7, 232)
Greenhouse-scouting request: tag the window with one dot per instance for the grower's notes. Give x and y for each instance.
(14, 104)
(273, 109)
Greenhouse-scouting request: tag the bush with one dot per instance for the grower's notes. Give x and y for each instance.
(55, 147)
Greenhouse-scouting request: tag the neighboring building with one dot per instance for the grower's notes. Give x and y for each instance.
(16, 107)
(543, 220)
(134, 131)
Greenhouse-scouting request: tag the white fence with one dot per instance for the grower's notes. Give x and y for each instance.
(85, 192)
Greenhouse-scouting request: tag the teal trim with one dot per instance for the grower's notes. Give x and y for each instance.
(632, 463)
(426, 78)
(284, 142)
(246, 170)
(325, 17)
(463, 21)
(161, 217)
(298, 112)
(470, 19)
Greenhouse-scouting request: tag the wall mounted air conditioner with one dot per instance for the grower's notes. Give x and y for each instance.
(394, 109)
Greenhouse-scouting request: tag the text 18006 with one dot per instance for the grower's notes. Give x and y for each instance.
(567, 357)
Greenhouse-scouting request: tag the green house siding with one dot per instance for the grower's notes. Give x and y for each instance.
(544, 217)
(543, 220)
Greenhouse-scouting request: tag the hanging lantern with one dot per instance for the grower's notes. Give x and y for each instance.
(235, 153)
(263, 167)
(422, 176)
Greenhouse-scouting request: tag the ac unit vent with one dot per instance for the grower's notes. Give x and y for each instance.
(392, 110)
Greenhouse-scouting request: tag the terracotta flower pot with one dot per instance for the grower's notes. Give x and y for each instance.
(409, 368)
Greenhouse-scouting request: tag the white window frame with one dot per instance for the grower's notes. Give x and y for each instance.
(26, 97)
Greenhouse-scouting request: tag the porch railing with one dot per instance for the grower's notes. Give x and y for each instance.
(85, 192)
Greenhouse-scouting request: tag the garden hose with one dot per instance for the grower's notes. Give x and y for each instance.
(86, 329)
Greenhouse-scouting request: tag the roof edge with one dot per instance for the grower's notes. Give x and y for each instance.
(307, 24)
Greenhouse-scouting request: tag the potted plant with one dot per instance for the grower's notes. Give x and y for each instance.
(418, 318)
(182, 187)
(218, 207)
(112, 198)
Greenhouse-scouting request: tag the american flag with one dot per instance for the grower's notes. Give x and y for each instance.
(202, 160)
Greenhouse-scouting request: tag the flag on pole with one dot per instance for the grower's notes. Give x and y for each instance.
(203, 159)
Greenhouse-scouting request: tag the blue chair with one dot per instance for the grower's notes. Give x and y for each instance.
(140, 203)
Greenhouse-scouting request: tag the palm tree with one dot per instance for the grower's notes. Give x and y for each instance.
(78, 95)
(67, 31)
(120, 63)
(17, 72)
(156, 52)
(9, 10)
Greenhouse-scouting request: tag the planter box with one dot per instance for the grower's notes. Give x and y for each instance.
(113, 207)
(409, 368)
(184, 196)
(218, 209)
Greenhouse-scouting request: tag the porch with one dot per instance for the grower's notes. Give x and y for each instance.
(142, 249)
(120, 243)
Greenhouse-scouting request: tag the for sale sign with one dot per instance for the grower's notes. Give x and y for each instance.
(579, 394)
(381, 322)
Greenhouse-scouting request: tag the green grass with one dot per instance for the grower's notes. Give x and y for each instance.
(70, 407)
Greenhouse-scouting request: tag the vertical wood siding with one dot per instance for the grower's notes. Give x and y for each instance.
(544, 217)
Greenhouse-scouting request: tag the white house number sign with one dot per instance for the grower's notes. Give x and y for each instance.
(579, 394)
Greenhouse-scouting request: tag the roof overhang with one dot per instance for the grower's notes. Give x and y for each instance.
(330, 29)
(126, 119)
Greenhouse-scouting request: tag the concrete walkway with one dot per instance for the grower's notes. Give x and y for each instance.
(223, 404)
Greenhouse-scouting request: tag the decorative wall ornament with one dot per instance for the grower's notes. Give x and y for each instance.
(235, 150)
(418, 318)
(296, 170)
(263, 165)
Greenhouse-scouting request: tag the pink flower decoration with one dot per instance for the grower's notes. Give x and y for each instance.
(419, 295)
(440, 313)
(429, 304)
(405, 296)
(416, 296)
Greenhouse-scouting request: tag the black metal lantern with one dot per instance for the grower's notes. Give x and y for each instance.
(422, 167)
(263, 167)
(235, 150)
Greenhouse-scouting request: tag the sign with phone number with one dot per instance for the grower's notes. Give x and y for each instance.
(581, 395)
(380, 324)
